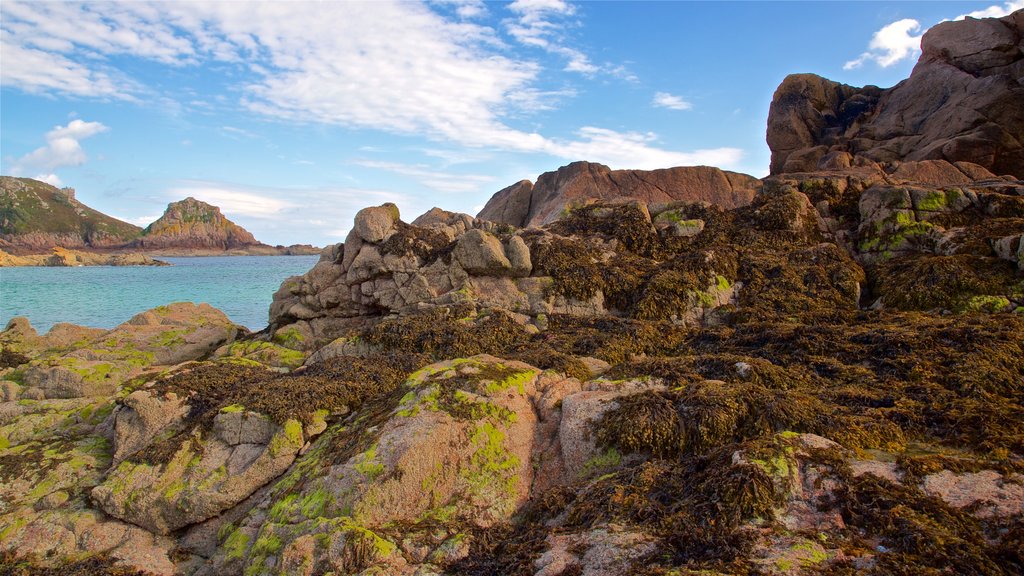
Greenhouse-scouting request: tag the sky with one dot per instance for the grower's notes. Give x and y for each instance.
(291, 116)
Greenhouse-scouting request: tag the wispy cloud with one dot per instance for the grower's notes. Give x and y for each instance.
(63, 148)
(666, 100)
(234, 132)
(540, 23)
(233, 200)
(448, 182)
(637, 150)
(396, 67)
(465, 9)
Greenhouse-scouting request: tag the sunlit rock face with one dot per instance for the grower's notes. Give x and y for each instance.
(964, 101)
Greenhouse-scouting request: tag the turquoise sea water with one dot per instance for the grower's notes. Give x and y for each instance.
(105, 296)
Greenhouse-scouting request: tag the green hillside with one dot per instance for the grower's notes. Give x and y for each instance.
(30, 206)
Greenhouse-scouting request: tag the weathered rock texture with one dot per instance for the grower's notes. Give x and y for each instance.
(964, 101)
(526, 204)
(99, 363)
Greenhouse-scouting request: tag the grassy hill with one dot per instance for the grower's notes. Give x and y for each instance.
(28, 206)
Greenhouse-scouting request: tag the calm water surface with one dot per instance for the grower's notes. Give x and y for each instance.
(105, 296)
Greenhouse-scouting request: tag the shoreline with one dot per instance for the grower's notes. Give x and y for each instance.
(70, 258)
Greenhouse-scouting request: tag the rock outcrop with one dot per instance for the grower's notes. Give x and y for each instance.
(964, 101)
(526, 204)
(63, 257)
(99, 363)
(633, 387)
(193, 224)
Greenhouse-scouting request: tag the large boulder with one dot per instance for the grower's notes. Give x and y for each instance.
(98, 364)
(524, 204)
(204, 476)
(964, 101)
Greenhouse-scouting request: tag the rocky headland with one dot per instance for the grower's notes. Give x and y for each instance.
(820, 372)
(39, 223)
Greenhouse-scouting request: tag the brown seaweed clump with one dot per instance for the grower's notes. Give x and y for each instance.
(962, 283)
(92, 566)
(342, 383)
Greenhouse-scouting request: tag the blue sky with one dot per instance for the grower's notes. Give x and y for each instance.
(291, 116)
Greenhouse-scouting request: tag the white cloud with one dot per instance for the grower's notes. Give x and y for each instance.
(51, 179)
(540, 23)
(38, 71)
(896, 42)
(893, 43)
(995, 11)
(234, 201)
(62, 149)
(666, 100)
(448, 182)
(236, 133)
(397, 67)
(141, 221)
(636, 150)
(535, 24)
(465, 9)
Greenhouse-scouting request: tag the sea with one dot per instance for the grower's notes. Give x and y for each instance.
(105, 296)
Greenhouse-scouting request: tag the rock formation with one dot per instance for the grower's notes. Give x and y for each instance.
(964, 101)
(62, 257)
(525, 204)
(193, 224)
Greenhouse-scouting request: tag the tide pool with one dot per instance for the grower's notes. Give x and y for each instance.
(105, 296)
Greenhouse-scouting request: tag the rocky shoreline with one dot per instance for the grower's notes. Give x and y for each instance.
(820, 372)
(60, 257)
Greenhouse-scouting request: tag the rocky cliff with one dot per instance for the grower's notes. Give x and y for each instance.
(526, 204)
(193, 224)
(35, 217)
(964, 101)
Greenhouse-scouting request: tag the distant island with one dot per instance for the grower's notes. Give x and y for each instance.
(42, 225)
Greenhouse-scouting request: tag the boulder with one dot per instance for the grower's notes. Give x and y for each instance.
(481, 254)
(374, 224)
(205, 475)
(163, 336)
(526, 205)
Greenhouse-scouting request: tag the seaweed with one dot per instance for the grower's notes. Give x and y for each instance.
(12, 359)
(926, 282)
(344, 382)
(97, 565)
(427, 244)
